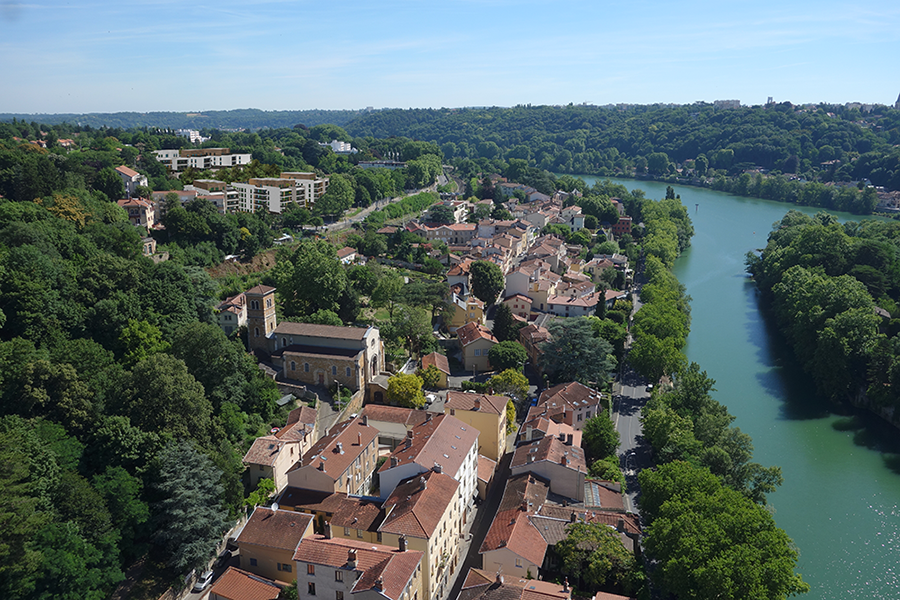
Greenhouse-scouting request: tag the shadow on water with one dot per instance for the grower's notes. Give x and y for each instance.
(783, 377)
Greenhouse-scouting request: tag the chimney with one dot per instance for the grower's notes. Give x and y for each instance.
(379, 583)
(564, 461)
(394, 462)
(477, 403)
(620, 525)
(351, 558)
(358, 438)
(499, 579)
(566, 584)
(524, 506)
(340, 447)
(365, 420)
(321, 465)
(427, 416)
(437, 468)
(528, 432)
(569, 439)
(327, 530)
(423, 483)
(402, 541)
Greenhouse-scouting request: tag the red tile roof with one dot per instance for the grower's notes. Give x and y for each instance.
(345, 252)
(335, 459)
(260, 290)
(357, 513)
(128, 172)
(322, 331)
(438, 360)
(542, 589)
(280, 529)
(235, 584)
(471, 332)
(266, 450)
(443, 440)
(573, 394)
(312, 500)
(416, 511)
(511, 529)
(486, 468)
(409, 417)
(374, 562)
(486, 403)
(552, 450)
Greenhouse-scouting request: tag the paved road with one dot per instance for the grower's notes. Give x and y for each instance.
(633, 452)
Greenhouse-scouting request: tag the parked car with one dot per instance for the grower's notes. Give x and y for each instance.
(223, 559)
(203, 581)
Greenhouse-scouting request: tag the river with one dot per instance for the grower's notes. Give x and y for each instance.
(840, 501)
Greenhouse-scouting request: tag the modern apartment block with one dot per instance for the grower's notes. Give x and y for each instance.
(202, 159)
(274, 194)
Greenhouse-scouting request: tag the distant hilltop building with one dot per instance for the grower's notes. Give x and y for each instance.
(897, 103)
(191, 134)
(201, 159)
(339, 147)
(727, 103)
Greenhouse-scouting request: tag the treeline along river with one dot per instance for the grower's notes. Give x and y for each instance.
(840, 500)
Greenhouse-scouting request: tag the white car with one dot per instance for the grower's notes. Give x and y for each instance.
(429, 398)
(203, 581)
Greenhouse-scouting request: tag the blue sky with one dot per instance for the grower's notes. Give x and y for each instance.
(293, 55)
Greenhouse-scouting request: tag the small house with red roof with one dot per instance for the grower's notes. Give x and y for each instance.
(237, 584)
(475, 342)
(131, 179)
(439, 362)
(269, 539)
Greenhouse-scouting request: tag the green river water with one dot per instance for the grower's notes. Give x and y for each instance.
(840, 501)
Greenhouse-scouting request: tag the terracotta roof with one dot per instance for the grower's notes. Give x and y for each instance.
(464, 401)
(547, 427)
(265, 451)
(312, 500)
(552, 450)
(631, 523)
(128, 172)
(471, 332)
(345, 252)
(520, 297)
(572, 394)
(281, 529)
(546, 589)
(387, 230)
(301, 422)
(443, 440)
(334, 459)
(438, 360)
(303, 414)
(534, 334)
(357, 513)
(581, 301)
(235, 584)
(524, 487)
(511, 529)
(486, 468)
(322, 331)
(374, 562)
(603, 494)
(409, 417)
(260, 290)
(416, 512)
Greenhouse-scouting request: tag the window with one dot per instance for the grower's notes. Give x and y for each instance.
(285, 567)
(348, 371)
(519, 562)
(311, 588)
(252, 562)
(256, 331)
(338, 575)
(311, 570)
(587, 415)
(339, 595)
(347, 531)
(306, 367)
(359, 531)
(293, 366)
(477, 352)
(452, 412)
(579, 416)
(333, 370)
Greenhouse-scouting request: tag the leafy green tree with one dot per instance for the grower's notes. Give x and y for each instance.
(574, 354)
(324, 317)
(441, 213)
(507, 355)
(607, 469)
(510, 417)
(122, 493)
(188, 519)
(310, 279)
(431, 376)
(512, 383)
(406, 390)
(658, 163)
(487, 281)
(337, 198)
(72, 568)
(139, 340)
(594, 556)
(161, 396)
(110, 184)
(387, 293)
(265, 488)
(599, 437)
(653, 357)
(712, 542)
(506, 328)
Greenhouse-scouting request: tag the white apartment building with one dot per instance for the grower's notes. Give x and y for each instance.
(200, 158)
(274, 194)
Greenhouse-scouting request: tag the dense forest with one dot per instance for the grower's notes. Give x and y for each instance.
(833, 291)
(823, 143)
(248, 118)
